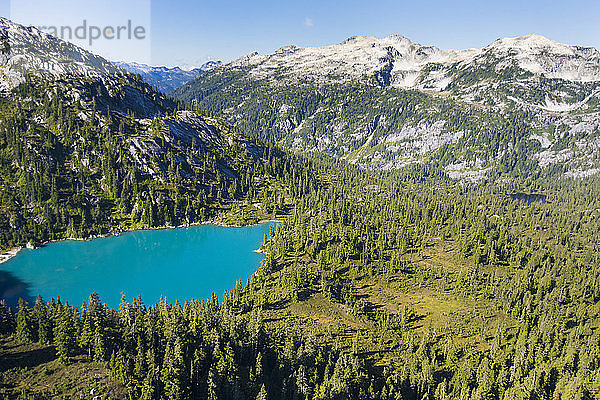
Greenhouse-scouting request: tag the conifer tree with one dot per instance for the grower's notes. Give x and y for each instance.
(65, 332)
(7, 319)
(26, 331)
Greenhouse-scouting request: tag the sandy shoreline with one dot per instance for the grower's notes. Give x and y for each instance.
(8, 254)
(262, 221)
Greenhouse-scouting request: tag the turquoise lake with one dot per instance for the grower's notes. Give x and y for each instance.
(181, 263)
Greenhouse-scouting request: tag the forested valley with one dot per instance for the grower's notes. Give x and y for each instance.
(376, 286)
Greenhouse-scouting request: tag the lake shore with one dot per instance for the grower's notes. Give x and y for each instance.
(136, 263)
(262, 221)
(8, 254)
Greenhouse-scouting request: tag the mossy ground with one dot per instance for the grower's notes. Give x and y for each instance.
(32, 371)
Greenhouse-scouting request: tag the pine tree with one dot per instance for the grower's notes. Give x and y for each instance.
(26, 331)
(262, 393)
(45, 328)
(118, 366)
(99, 344)
(211, 384)
(172, 371)
(7, 319)
(86, 336)
(65, 333)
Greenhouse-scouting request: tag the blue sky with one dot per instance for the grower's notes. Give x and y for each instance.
(188, 32)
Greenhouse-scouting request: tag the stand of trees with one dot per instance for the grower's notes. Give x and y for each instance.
(534, 266)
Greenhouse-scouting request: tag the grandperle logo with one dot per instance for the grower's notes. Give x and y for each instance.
(92, 33)
(117, 30)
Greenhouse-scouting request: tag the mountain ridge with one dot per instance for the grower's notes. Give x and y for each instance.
(34, 51)
(389, 102)
(362, 56)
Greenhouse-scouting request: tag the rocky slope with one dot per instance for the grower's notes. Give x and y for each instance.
(526, 103)
(87, 147)
(33, 51)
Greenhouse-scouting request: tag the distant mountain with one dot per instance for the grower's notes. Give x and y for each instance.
(518, 106)
(167, 79)
(33, 51)
(398, 62)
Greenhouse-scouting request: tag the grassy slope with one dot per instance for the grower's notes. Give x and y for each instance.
(432, 309)
(31, 371)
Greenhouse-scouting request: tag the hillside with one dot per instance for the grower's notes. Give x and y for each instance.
(520, 106)
(89, 149)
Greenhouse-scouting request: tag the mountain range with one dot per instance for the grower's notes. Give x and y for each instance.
(167, 79)
(523, 105)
